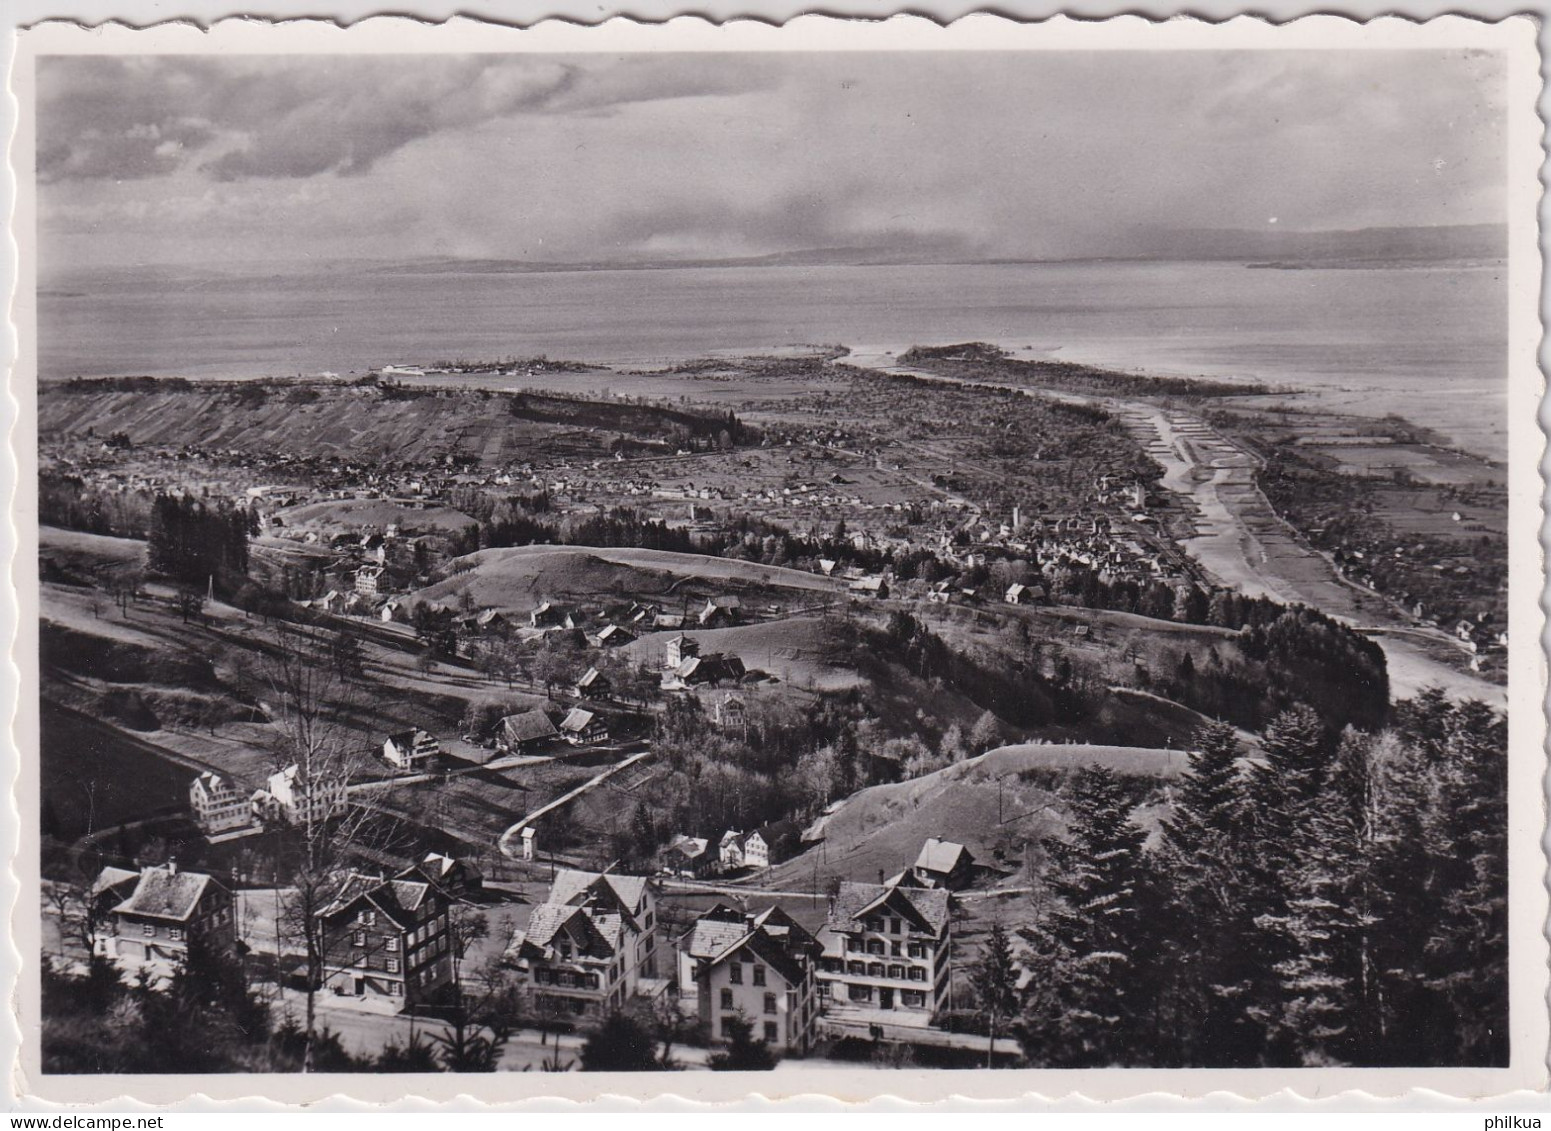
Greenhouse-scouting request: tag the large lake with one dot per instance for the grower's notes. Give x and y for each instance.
(1426, 342)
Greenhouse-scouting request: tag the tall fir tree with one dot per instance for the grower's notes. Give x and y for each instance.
(1204, 924)
(1092, 1002)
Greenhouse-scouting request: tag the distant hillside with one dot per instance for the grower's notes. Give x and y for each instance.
(362, 422)
(1284, 247)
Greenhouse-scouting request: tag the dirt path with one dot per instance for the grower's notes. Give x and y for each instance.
(505, 842)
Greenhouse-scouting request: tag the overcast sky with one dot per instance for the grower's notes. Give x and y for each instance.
(582, 158)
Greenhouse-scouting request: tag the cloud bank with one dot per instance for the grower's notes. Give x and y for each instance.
(588, 158)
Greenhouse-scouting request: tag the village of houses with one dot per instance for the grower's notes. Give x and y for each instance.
(376, 544)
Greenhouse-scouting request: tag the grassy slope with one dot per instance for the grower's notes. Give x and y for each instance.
(96, 549)
(519, 576)
(341, 514)
(883, 827)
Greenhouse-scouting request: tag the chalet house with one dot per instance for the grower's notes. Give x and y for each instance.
(410, 751)
(887, 948)
(330, 602)
(778, 840)
(639, 613)
(518, 734)
(491, 620)
(679, 649)
(368, 580)
(587, 947)
(387, 939)
(759, 848)
(581, 727)
(730, 849)
(594, 684)
(942, 864)
(1024, 595)
(111, 887)
(296, 799)
(730, 712)
(548, 616)
(392, 611)
(720, 610)
(151, 926)
(874, 587)
(760, 967)
(611, 636)
(456, 878)
(688, 856)
(219, 805)
(697, 670)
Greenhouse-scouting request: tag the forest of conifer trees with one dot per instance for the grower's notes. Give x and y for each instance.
(1340, 901)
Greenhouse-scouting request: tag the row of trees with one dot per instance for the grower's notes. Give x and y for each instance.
(1343, 901)
(194, 541)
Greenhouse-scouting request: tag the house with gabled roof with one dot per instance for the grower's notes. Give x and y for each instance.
(611, 636)
(760, 967)
(942, 864)
(220, 805)
(295, 798)
(455, 876)
(593, 684)
(411, 751)
(730, 712)
(688, 855)
(720, 610)
(387, 939)
(581, 727)
(586, 948)
(522, 733)
(548, 615)
(150, 927)
(368, 580)
(713, 668)
(491, 620)
(678, 649)
(887, 948)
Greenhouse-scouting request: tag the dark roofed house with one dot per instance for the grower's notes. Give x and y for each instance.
(387, 939)
(491, 620)
(520, 733)
(611, 636)
(411, 751)
(688, 855)
(696, 670)
(586, 948)
(456, 877)
(944, 864)
(547, 615)
(583, 727)
(760, 967)
(720, 610)
(150, 927)
(594, 684)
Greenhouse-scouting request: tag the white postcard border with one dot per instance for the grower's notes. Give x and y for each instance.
(1527, 720)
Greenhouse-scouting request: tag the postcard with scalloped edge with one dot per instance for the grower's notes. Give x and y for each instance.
(841, 559)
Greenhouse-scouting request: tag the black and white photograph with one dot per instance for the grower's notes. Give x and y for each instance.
(701, 559)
